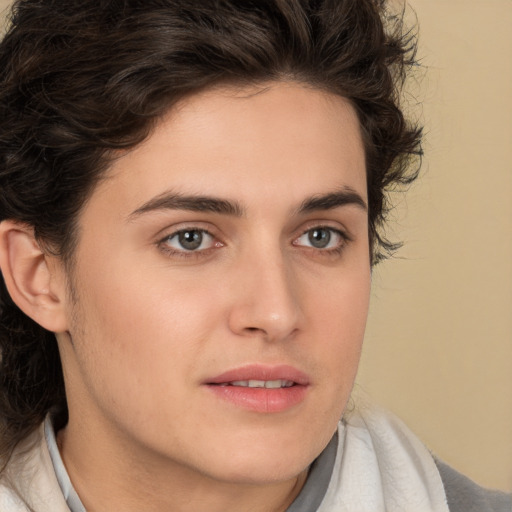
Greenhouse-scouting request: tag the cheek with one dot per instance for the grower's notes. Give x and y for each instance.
(337, 317)
(148, 331)
(138, 350)
(340, 314)
(341, 304)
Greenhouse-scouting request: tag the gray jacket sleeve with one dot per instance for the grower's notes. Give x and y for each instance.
(464, 495)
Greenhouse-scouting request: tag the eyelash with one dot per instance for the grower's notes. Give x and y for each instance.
(343, 240)
(188, 253)
(163, 244)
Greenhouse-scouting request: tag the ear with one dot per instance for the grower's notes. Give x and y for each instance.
(35, 280)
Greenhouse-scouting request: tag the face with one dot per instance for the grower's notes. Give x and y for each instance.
(221, 285)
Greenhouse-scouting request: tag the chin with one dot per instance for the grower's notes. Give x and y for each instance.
(267, 473)
(259, 464)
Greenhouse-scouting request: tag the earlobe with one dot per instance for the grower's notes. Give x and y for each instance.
(35, 289)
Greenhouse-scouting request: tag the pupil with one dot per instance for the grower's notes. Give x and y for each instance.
(190, 240)
(319, 238)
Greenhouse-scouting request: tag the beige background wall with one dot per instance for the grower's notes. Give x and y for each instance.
(439, 344)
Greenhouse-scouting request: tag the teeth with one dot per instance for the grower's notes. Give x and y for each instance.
(269, 384)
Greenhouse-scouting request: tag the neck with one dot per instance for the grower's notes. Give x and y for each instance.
(109, 476)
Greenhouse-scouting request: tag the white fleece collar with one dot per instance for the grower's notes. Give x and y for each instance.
(382, 467)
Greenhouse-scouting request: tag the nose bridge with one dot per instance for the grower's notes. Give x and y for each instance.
(268, 303)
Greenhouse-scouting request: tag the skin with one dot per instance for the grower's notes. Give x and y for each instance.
(149, 322)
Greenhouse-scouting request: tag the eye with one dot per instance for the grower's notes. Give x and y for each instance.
(321, 238)
(189, 240)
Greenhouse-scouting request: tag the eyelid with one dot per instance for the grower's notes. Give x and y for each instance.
(337, 230)
(325, 224)
(169, 233)
(171, 229)
(203, 232)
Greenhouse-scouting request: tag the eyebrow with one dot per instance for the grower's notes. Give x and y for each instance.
(332, 200)
(177, 201)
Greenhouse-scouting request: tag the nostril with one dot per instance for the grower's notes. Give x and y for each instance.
(255, 332)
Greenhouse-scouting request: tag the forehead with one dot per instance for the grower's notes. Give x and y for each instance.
(244, 143)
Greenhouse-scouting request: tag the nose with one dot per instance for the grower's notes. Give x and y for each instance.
(267, 299)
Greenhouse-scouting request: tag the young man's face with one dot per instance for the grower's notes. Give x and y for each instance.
(229, 250)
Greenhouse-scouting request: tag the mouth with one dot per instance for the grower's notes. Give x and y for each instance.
(268, 384)
(261, 389)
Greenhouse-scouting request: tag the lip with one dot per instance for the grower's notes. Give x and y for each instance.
(261, 400)
(261, 372)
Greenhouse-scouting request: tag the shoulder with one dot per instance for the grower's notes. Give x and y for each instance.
(379, 460)
(13, 475)
(380, 465)
(464, 495)
(10, 500)
(28, 481)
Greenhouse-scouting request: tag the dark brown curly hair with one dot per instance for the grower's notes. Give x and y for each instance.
(82, 78)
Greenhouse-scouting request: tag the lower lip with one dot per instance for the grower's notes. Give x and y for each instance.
(263, 400)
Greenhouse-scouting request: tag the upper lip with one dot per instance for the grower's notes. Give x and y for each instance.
(261, 372)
